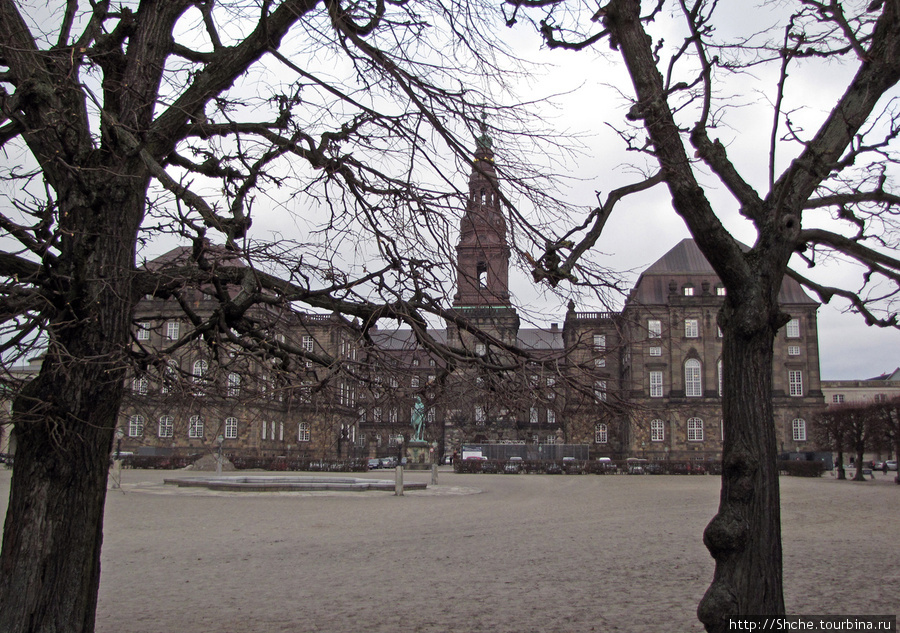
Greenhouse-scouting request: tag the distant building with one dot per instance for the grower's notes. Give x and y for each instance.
(643, 382)
(869, 391)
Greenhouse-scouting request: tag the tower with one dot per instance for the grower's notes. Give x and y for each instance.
(482, 254)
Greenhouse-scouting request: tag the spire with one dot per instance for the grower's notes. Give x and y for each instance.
(484, 142)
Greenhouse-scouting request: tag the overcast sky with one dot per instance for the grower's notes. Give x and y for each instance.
(645, 227)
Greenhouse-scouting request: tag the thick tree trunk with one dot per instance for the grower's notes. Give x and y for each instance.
(744, 537)
(64, 424)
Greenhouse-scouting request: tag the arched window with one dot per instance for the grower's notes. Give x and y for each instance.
(195, 427)
(166, 426)
(136, 426)
(695, 430)
(798, 427)
(601, 434)
(692, 383)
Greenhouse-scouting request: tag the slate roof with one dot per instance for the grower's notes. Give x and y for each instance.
(685, 263)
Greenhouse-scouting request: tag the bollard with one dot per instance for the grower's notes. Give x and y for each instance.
(398, 481)
(434, 472)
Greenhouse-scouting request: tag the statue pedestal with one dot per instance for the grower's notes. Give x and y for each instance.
(417, 455)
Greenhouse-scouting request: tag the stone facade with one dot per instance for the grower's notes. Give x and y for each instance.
(642, 382)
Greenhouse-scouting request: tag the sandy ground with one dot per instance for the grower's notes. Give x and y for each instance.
(477, 553)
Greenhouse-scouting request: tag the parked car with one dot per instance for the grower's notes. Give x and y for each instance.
(877, 465)
(374, 463)
(514, 465)
(891, 464)
(388, 462)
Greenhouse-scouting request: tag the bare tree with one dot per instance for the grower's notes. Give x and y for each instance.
(124, 123)
(840, 171)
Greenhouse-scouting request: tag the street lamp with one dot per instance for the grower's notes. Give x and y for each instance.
(117, 460)
(219, 441)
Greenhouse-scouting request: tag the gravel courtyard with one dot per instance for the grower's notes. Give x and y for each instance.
(477, 553)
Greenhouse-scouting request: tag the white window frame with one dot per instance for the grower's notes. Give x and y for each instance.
(792, 329)
(173, 328)
(692, 328)
(795, 382)
(140, 386)
(656, 350)
(654, 328)
(837, 398)
(657, 430)
(599, 342)
(551, 416)
(793, 350)
(234, 385)
(136, 426)
(693, 378)
(231, 428)
(304, 431)
(195, 427)
(798, 429)
(695, 430)
(166, 426)
(533, 415)
(656, 384)
(480, 416)
(688, 291)
(601, 434)
(600, 390)
(143, 331)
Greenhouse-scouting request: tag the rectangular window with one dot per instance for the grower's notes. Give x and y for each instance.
(657, 431)
(414, 383)
(691, 328)
(140, 386)
(601, 434)
(479, 414)
(656, 384)
(693, 386)
(480, 349)
(695, 430)
(600, 362)
(793, 328)
(688, 291)
(376, 415)
(656, 351)
(799, 430)
(795, 380)
(533, 415)
(600, 390)
(599, 342)
(234, 385)
(231, 428)
(172, 330)
(303, 432)
(551, 416)
(793, 350)
(837, 398)
(392, 416)
(143, 331)
(654, 328)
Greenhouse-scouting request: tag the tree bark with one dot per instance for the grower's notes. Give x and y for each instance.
(744, 537)
(65, 420)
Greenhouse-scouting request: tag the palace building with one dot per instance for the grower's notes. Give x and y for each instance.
(641, 382)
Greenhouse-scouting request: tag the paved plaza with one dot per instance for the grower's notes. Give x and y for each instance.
(477, 553)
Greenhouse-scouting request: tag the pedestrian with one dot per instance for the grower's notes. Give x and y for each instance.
(884, 467)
